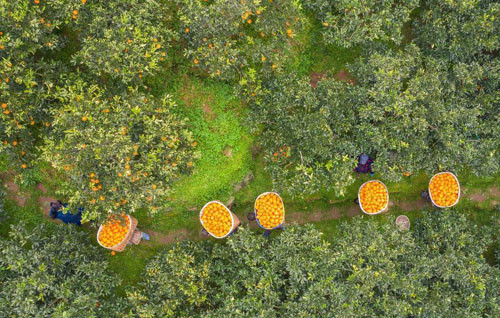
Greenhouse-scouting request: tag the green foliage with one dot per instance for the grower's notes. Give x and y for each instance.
(214, 115)
(125, 40)
(370, 270)
(30, 177)
(306, 134)
(310, 53)
(3, 212)
(30, 35)
(459, 31)
(53, 272)
(403, 107)
(239, 41)
(118, 152)
(349, 23)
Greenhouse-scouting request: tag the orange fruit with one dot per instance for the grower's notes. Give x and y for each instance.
(444, 189)
(114, 230)
(269, 210)
(216, 219)
(373, 196)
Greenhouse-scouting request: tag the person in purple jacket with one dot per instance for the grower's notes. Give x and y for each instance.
(364, 164)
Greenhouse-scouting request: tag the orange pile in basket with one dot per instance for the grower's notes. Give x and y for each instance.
(373, 197)
(114, 231)
(216, 219)
(443, 189)
(269, 210)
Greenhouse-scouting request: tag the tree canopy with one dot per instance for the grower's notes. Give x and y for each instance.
(369, 269)
(47, 273)
(119, 153)
(349, 23)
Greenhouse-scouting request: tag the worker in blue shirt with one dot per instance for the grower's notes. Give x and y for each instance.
(68, 218)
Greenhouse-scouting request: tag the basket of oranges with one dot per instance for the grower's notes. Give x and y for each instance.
(373, 197)
(269, 210)
(444, 190)
(217, 219)
(116, 232)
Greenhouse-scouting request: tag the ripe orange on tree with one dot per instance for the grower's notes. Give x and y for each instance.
(269, 210)
(216, 219)
(373, 196)
(444, 189)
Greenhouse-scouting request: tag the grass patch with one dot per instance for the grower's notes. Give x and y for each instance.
(215, 115)
(311, 54)
(130, 264)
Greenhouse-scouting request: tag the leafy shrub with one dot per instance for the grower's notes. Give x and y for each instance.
(240, 41)
(403, 107)
(3, 212)
(307, 134)
(459, 31)
(125, 40)
(30, 177)
(31, 35)
(369, 270)
(53, 272)
(118, 152)
(349, 23)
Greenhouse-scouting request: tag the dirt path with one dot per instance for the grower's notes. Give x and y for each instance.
(491, 193)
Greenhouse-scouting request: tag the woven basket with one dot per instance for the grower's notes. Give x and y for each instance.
(430, 194)
(234, 219)
(121, 246)
(403, 222)
(386, 205)
(255, 211)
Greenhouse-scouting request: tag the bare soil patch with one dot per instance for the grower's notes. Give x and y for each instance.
(228, 151)
(344, 76)
(316, 217)
(414, 205)
(353, 211)
(208, 112)
(494, 192)
(334, 213)
(296, 217)
(41, 188)
(478, 197)
(315, 78)
(14, 193)
(171, 237)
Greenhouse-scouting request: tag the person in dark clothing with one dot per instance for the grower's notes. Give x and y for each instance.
(251, 217)
(364, 164)
(68, 218)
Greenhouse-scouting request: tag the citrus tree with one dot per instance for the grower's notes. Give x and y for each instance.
(3, 213)
(125, 40)
(306, 134)
(368, 270)
(54, 272)
(403, 107)
(239, 41)
(459, 31)
(350, 23)
(31, 34)
(119, 153)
